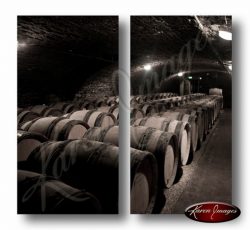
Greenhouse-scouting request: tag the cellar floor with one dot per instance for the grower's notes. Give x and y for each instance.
(208, 176)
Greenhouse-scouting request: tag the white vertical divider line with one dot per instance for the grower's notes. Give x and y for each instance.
(124, 115)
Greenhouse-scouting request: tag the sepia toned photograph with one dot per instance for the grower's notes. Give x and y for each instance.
(181, 112)
(68, 111)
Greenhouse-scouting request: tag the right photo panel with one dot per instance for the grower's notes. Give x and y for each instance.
(181, 112)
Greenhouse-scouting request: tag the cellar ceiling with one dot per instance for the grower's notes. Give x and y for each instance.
(165, 37)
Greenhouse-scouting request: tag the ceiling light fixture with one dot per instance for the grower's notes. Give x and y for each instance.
(147, 67)
(180, 74)
(225, 35)
(190, 77)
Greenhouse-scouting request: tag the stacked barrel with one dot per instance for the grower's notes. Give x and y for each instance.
(173, 128)
(59, 169)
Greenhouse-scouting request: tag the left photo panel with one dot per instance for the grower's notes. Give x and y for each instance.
(67, 115)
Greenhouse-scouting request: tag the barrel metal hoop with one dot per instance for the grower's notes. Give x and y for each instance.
(143, 121)
(104, 132)
(145, 137)
(99, 119)
(164, 125)
(51, 126)
(87, 115)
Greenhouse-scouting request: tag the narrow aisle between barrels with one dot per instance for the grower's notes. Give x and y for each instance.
(208, 177)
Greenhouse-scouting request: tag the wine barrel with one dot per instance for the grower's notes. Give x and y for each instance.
(39, 194)
(52, 112)
(57, 128)
(115, 111)
(70, 108)
(64, 107)
(136, 113)
(148, 109)
(60, 105)
(163, 145)
(104, 109)
(25, 116)
(38, 109)
(143, 181)
(86, 105)
(100, 102)
(179, 113)
(93, 118)
(42, 125)
(179, 128)
(66, 129)
(191, 119)
(203, 109)
(26, 143)
(45, 111)
(82, 164)
(106, 135)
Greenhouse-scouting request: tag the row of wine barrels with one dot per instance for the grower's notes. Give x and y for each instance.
(161, 104)
(39, 194)
(26, 143)
(93, 118)
(163, 145)
(99, 102)
(82, 164)
(59, 108)
(143, 181)
(208, 109)
(138, 99)
(205, 108)
(157, 96)
(57, 128)
(45, 111)
(212, 105)
(134, 112)
(179, 128)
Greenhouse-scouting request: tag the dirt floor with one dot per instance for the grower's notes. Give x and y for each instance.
(209, 176)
